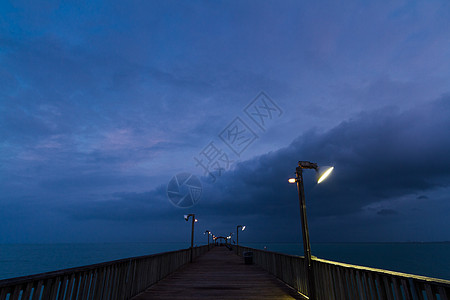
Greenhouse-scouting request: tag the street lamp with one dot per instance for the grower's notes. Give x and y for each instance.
(237, 237)
(322, 173)
(208, 232)
(186, 217)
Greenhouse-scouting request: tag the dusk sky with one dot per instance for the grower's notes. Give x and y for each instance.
(102, 103)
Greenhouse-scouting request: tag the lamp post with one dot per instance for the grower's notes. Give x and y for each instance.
(186, 217)
(208, 232)
(322, 173)
(237, 237)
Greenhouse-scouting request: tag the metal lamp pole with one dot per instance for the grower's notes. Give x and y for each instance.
(208, 233)
(305, 232)
(322, 172)
(186, 217)
(237, 237)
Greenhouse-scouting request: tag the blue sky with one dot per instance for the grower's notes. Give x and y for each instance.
(102, 103)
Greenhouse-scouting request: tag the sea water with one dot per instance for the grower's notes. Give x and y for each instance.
(427, 259)
(27, 259)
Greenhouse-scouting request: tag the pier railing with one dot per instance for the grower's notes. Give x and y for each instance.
(119, 279)
(347, 282)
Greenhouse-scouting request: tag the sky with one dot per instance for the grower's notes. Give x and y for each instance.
(105, 104)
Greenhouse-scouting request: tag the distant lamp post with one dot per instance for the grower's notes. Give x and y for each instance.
(208, 232)
(237, 237)
(322, 173)
(186, 217)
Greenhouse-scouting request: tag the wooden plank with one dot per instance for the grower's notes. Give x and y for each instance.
(114, 283)
(419, 288)
(430, 294)
(219, 274)
(380, 287)
(4, 293)
(372, 287)
(54, 289)
(342, 283)
(106, 283)
(406, 289)
(70, 287)
(37, 290)
(99, 284)
(388, 287)
(367, 294)
(76, 286)
(94, 278)
(442, 293)
(396, 286)
(87, 285)
(360, 285)
(15, 295)
(353, 288)
(328, 281)
(63, 288)
(27, 291)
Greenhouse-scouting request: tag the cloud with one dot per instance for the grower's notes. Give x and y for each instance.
(387, 212)
(134, 207)
(378, 156)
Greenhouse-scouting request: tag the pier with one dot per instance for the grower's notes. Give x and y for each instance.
(218, 273)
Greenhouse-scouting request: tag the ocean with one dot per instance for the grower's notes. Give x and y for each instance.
(427, 259)
(27, 259)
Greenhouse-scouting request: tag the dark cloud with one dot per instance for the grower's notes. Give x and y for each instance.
(376, 157)
(387, 212)
(134, 207)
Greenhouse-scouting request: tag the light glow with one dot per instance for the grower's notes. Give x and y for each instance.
(243, 228)
(196, 220)
(291, 180)
(325, 174)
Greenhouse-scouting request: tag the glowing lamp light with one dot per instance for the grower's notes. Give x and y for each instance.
(323, 173)
(243, 228)
(196, 220)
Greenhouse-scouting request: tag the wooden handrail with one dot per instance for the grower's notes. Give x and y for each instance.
(119, 279)
(342, 281)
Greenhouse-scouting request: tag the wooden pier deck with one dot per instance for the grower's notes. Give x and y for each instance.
(219, 274)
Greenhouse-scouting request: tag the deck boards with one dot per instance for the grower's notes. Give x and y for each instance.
(219, 274)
